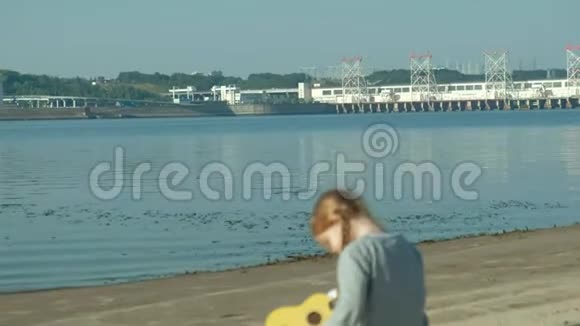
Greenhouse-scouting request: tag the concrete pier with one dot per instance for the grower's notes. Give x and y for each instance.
(463, 105)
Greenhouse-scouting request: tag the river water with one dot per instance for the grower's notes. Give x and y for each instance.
(56, 232)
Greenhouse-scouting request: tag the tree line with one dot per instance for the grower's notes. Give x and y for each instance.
(446, 76)
(26, 84)
(141, 86)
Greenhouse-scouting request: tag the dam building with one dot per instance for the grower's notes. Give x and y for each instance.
(456, 92)
(232, 94)
(541, 94)
(454, 96)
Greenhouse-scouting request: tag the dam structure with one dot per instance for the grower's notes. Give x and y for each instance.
(497, 92)
(354, 95)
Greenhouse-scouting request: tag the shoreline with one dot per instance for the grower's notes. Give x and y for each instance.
(470, 280)
(172, 111)
(167, 110)
(293, 259)
(105, 113)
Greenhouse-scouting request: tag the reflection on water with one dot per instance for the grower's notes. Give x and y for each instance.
(54, 233)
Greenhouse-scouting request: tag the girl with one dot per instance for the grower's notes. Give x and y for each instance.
(380, 276)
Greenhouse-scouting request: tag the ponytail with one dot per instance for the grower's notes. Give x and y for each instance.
(347, 207)
(346, 229)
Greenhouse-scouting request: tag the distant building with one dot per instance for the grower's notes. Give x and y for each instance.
(305, 92)
(99, 81)
(1, 91)
(230, 94)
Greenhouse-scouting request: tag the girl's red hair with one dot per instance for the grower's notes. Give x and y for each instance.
(342, 203)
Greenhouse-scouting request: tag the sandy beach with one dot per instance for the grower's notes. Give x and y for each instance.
(521, 278)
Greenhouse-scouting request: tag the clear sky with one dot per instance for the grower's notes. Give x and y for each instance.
(104, 37)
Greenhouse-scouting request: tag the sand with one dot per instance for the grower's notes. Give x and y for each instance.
(523, 278)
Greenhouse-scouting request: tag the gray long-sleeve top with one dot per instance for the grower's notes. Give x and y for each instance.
(380, 283)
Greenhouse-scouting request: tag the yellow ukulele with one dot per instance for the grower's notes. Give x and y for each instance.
(313, 311)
